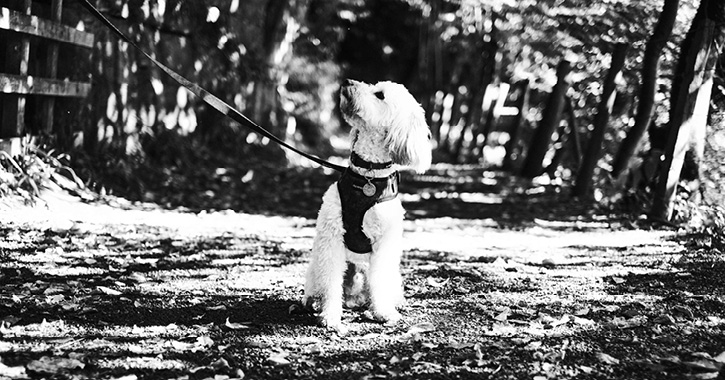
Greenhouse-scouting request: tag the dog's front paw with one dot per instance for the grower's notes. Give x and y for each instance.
(334, 324)
(388, 317)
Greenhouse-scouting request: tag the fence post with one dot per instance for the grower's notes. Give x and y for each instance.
(12, 125)
(512, 146)
(51, 69)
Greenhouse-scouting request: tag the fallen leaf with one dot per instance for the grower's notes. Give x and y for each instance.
(220, 365)
(54, 290)
(611, 308)
(583, 321)
(127, 377)
(368, 336)
(315, 349)
(278, 358)
(684, 311)
(204, 341)
(705, 376)
(720, 358)
(503, 316)
(109, 291)
(561, 321)
(607, 359)
(308, 340)
(236, 326)
(55, 298)
(618, 280)
(421, 328)
(181, 346)
(703, 365)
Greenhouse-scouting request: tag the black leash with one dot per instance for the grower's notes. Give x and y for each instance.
(207, 97)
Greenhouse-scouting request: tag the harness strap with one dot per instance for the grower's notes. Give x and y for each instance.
(355, 204)
(207, 97)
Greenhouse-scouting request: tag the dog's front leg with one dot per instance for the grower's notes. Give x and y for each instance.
(386, 284)
(330, 274)
(328, 264)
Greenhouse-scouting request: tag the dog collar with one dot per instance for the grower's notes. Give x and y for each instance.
(358, 161)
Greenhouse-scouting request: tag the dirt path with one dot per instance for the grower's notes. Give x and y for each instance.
(522, 291)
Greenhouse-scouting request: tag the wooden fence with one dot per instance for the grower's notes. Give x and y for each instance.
(33, 35)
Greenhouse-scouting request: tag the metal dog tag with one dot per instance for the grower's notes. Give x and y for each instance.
(369, 189)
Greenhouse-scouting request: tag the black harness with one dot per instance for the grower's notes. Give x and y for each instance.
(358, 194)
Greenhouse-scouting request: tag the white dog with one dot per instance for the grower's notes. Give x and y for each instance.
(356, 252)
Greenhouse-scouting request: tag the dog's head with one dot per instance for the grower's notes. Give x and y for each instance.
(388, 108)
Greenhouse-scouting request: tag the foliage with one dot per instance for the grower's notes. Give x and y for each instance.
(28, 174)
(704, 223)
(222, 172)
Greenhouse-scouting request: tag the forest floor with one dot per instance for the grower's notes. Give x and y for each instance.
(503, 280)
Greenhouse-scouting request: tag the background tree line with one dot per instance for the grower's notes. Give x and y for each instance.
(489, 73)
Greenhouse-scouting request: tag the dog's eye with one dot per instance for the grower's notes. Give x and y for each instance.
(380, 95)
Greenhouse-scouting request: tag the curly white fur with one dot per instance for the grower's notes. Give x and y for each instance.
(387, 124)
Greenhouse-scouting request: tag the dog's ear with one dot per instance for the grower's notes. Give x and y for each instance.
(409, 141)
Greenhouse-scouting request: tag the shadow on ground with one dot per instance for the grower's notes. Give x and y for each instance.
(148, 301)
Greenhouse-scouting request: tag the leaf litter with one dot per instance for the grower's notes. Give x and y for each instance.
(215, 295)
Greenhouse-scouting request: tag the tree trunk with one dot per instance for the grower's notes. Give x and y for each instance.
(574, 131)
(280, 30)
(568, 132)
(691, 90)
(650, 69)
(594, 148)
(533, 165)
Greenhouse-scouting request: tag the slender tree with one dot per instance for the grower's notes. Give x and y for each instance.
(650, 70)
(691, 89)
(593, 153)
(533, 164)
